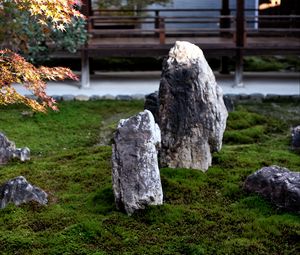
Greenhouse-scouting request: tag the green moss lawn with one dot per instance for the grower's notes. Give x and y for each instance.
(203, 213)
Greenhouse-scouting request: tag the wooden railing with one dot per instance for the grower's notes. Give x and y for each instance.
(158, 22)
(153, 31)
(164, 23)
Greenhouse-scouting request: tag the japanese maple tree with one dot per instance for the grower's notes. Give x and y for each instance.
(15, 69)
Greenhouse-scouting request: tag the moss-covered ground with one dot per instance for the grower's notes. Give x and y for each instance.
(203, 213)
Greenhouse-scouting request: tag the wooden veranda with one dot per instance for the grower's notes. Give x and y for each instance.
(218, 32)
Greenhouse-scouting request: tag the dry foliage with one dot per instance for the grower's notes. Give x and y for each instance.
(15, 69)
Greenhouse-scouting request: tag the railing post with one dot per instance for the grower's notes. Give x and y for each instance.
(85, 69)
(156, 22)
(86, 10)
(240, 42)
(225, 23)
(162, 35)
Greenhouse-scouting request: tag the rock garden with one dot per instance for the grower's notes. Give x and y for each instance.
(175, 174)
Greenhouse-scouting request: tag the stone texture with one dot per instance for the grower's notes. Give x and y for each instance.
(138, 96)
(123, 97)
(136, 178)
(272, 97)
(296, 138)
(229, 103)
(8, 151)
(192, 114)
(244, 96)
(95, 98)
(57, 97)
(257, 97)
(278, 185)
(108, 97)
(19, 191)
(27, 114)
(152, 104)
(82, 98)
(68, 97)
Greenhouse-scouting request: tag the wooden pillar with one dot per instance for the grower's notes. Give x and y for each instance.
(86, 10)
(239, 68)
(85, 69)
(240, 42)
(162, 32)
(225, 23)
(156, 21)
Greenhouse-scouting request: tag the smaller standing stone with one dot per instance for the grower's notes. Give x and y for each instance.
(135, 172)
(278, 185)
(8, 151)
(296, 138)
(19, 191)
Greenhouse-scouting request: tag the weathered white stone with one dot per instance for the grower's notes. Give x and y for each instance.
(192, 114)
(19, 191)
(135, 172)
(8, 151)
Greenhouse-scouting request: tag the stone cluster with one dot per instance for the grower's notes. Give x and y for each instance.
(8, 151)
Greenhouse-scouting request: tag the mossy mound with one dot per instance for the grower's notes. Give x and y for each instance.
(203, 213)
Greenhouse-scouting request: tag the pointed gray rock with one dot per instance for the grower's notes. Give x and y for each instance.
(135, 172)
(8, 151)
(277, 184)
(19, 191)
(192, 114)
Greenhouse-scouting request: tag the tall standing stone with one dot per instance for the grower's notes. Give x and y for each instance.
(135, 172)
(192, 114)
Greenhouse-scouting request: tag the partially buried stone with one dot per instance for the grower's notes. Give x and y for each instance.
(19, 191)
(135, 172)
(278, 185)
(192, 114)
(8, 151)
